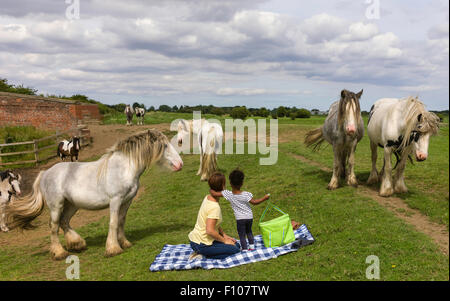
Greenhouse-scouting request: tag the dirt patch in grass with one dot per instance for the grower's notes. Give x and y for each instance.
(104, 136)
(421, 222)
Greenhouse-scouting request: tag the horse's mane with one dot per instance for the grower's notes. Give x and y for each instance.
(349, 96)
(142, 149)
(428, 123)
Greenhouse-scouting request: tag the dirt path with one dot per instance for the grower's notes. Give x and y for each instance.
(104, 136)
(421, 222)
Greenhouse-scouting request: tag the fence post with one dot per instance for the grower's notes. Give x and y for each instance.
(36, 151)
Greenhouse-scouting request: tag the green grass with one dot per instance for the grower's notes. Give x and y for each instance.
(347, 227)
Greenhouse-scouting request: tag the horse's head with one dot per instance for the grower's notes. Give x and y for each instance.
(12, 181)
(171, 158)
(76, 143)
(427, 125)
(183, 131)
(349, 111)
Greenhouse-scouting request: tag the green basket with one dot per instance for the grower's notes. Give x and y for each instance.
(278, 231)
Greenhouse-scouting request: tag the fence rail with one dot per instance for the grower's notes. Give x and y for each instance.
(81, 131)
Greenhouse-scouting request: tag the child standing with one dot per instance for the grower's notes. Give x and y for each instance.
(240, 202)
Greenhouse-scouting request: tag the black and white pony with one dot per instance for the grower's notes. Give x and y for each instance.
(69, 148)
(129, 112)
(112, 181)
(9, 187)
(343, 129)
(140, 113)
(401, 127)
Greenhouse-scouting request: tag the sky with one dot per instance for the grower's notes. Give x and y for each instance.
(228, 52)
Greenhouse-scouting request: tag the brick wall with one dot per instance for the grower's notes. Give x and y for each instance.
(42, 112)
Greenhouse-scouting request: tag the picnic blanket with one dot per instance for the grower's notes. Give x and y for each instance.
(176, 257)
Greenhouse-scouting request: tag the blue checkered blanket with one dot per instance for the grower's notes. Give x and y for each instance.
(176, 257)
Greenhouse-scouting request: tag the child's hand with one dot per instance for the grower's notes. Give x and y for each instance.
(266, 197)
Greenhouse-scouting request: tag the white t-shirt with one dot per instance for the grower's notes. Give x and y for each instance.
(239, 203)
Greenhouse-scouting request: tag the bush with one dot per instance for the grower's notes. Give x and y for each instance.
(303, 113)
(293, 115)
(239, 112)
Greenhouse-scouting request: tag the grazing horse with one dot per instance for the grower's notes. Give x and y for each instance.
(129, 113)
(401, 127)
(343, 129)
(140, 113)
(9, 186)
(69, 148)
(209, 138)
(112, 181)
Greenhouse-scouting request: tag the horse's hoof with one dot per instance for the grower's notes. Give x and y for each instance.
(58, 253)
(332, 187)
(372, 180)
(353, 183)
(125, 244)
(77, 246)
(401, 189)
(113, 251)
(4, 228)
(386, 192)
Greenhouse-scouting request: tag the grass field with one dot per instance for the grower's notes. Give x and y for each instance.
(347, 226)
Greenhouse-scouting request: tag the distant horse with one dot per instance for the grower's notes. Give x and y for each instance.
(129, 113)
(112, 181)
(9, 186)
(140, 113)
(401, 127)
(343, 129)
(209, 138)
(69, 148)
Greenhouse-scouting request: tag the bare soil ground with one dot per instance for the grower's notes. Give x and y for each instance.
(103, 137)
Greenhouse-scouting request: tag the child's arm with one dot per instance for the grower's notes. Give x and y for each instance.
(259, 201)
(215, 194)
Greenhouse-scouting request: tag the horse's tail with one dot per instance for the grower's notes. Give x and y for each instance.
(58, 150)
(209, 160)
(314, 138)
(22, 211)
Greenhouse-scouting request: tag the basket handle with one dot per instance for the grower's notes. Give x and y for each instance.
(270, 205)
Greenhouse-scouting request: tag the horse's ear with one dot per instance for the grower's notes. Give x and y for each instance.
(359, 94)
(343, 93)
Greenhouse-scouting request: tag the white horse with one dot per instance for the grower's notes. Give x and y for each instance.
(9, 187)
(112, 181)
(402, 127)
(129, 113)
(209, 138)
(140, 113)
(343, 129)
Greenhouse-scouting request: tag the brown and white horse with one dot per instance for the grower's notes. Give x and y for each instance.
(140, 113)
(68, 148)
(343, 129)
(9, 187)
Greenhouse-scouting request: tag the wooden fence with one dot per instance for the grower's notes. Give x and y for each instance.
(81, 131)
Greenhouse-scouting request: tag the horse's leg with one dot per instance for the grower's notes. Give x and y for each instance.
(123, 241)
(112, 244)
(373, 177)
(386, 178)
(334, 182)
(399, 185)
(74, 241)
(351, 179)
(3, 226)
(56, 249)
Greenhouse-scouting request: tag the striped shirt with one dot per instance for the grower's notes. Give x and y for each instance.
(239, 203)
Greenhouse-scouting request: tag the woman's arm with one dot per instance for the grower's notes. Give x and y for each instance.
(219, 236)
(258, 201)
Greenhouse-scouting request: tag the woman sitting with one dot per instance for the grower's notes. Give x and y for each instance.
(208, 239)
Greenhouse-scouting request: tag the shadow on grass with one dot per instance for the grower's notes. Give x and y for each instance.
(135, 235)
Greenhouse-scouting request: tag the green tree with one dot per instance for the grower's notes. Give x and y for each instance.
(303, 113)
(239, 112)
(282, 111)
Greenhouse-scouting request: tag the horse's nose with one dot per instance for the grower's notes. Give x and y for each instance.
(420, 156)
(177, 166)
(351, 129)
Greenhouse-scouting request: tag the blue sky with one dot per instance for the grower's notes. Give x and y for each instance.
(229, 52)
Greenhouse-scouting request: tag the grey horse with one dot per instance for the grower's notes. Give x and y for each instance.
(343, 129)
